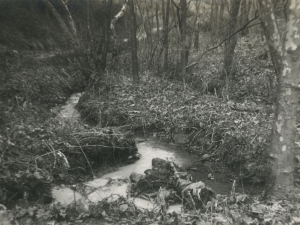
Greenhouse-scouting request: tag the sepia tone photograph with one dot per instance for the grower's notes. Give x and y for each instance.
(149, 112)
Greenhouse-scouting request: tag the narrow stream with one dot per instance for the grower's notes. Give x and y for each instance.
(148, 149)
(68, 111)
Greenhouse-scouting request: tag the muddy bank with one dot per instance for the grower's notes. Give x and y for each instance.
(200, 169)
(235, 133)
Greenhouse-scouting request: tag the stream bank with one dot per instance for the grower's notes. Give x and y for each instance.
(150, 148)
(121, 211)
(217, 177)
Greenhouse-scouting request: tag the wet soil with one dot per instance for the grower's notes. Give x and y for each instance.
(153, 148)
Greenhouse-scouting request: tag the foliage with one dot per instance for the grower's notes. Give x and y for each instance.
(33, 138)
(39, 77)
(233, 132)
(234, 209)
(39, 147)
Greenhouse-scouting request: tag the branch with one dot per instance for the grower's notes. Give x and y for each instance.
(177, 7)
(178, 14)
(218, 45)
(191, 65)
(239, 30)
(117, 17)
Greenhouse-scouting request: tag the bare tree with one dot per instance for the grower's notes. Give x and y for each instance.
(221, 14)
(106, 37)
(214, 18)
(212, 14)
(134, 57)
(119, 15)
(245, 9)
(61, 22)
(166, 15)
(157, 20)
(282, 145)
(70, 20)
(182, 16)
(231, 43)
(272, 34)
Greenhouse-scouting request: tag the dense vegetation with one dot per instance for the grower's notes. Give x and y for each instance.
(184, 88)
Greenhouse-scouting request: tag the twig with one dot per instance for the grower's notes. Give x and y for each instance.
(191, 65)
(95, 132)
(74, 146)
(191, 197)
(225, 39)
(52, 151)
(194, 137)
(84, 156)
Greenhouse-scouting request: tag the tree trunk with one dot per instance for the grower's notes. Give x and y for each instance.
(88, 24)
(231, 43)
(61, 21)
(221, 16)
(70, 20)
(134, 57)
(149, 25)
(157, 21)
(184, 47)
(212, 21)
(215, 18)
(284, 128)
(272, 34)
(116, 18)
(166, 35)
(249, 5)
(106, 36)
(196, 36)
(244, 16)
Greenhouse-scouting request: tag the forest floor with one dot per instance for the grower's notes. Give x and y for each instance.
(232, 128)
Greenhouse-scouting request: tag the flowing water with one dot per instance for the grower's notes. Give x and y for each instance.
(148, 149)
(68, 111)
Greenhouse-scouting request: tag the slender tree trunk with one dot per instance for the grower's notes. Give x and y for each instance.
(166, 35)
(149, 24)
(244, 16)
(116, 18)
(106, 37)
(184, 47)
(88, 23)
(231, 43)
(70, 20)
(212, 21)
(282, 146)
(61, 21)
(157, 21)
(272, 34)
(249, 5)
(216, 17)
(196, 35)
(134, 57)
(149, 30)
(144, 21)
(221, 16)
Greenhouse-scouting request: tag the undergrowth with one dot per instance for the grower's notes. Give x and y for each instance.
(35, 142)
(235, 133)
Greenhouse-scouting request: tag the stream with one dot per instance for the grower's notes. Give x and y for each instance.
(149, 149)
